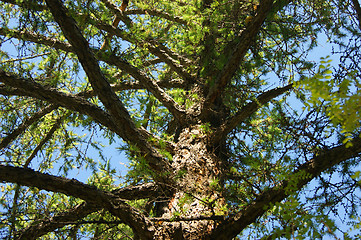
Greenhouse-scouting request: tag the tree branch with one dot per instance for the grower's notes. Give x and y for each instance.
(71, 187)
(309, 170)
(119, 114)
(36, 38)
(10, 91)
(25, 165)
(117, 12)
(164, 53)
(53, 43)
(43, 226)
(89, 63)
(52, 95)
(47, 137)
(109, 36)
(25, 58)
(142, 191)
(25, 124)
(159, 50)
(76, 103)
(157, 13)
(115, 21)
(170, 58)
(247, 111)
(151, 86)
(357, 8)
(156, 48)
(245, 40)
(32, 4)
(71, 102)
(132, 85)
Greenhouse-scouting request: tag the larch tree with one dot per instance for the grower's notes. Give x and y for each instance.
(234, 122)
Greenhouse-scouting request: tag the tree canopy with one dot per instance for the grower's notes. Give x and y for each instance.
(239, 119)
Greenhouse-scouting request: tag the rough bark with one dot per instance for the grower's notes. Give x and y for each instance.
(196, 193)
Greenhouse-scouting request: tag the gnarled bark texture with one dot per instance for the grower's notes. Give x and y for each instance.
(196, 193)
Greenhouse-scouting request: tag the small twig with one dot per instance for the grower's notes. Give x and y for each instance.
(25, 58)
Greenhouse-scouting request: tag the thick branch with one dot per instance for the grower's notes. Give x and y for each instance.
(71, 187)
(357, 8)
(10, 91)
(146, 190)
(120, 116)
(36, 38)
(88, 61)
(41, 227)
(118, 12)
(170, 58)
(248, 110)
(27, 87)
(309, 170)
(52, 95)
(244, 42)
(32, 4)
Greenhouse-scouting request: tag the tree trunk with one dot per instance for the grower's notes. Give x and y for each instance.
(197, 169)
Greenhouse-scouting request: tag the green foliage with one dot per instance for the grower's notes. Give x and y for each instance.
(294, 220)
(206, 128)
(339, 98)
